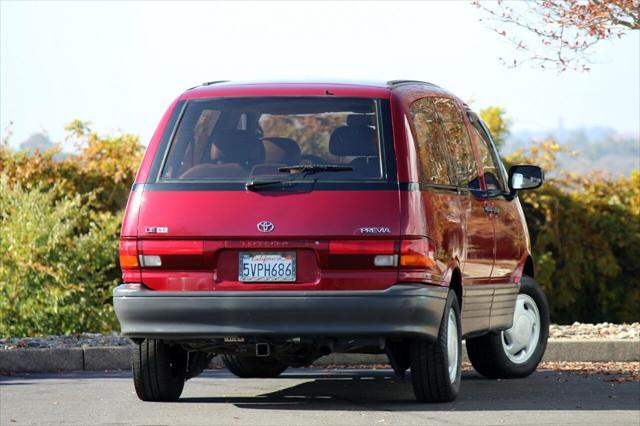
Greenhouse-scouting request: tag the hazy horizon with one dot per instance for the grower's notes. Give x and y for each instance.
(119, 65)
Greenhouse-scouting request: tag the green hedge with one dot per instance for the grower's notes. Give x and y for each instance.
(59, 228)
(585, 235)
(60, 263)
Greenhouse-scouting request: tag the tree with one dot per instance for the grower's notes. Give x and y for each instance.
(497, 122)
(560, 33)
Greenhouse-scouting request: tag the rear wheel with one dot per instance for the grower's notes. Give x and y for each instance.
(247, 366)
(159, 370)
(436, 366)
(515, 352)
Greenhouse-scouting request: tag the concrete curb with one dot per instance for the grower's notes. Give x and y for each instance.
(118, 357)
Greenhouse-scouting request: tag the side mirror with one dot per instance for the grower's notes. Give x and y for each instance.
(525, 177)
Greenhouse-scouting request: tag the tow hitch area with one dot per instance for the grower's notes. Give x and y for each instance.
(263, 349)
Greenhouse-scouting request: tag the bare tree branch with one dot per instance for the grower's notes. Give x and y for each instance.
(559, 33)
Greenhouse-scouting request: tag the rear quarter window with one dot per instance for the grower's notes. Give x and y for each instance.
(430, 143)
(458, 142)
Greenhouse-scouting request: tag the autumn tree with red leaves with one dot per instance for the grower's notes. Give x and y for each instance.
(560, 34)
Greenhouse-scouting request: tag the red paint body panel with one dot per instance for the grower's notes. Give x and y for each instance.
(130, 219)
(480, 242)
(307, 223)
(235, 214)
(287, 89)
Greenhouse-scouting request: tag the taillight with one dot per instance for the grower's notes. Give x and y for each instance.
(175, 254)
(128, 254)
(362, 247)
(129, 261)
(416, 254)
(416, 259)
(349, 254)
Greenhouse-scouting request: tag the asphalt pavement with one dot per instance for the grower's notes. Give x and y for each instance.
(317, 396)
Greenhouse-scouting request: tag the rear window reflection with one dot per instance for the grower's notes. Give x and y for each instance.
(245, 138)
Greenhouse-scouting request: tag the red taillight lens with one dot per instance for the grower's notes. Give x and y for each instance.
(416, 254)
(128, 254)
(362, 254)
(362, 247)
(129, 261)
(173, 247)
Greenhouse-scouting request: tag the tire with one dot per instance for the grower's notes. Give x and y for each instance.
(246, 366)
(432, 378)
(158, 370)
(496, 355)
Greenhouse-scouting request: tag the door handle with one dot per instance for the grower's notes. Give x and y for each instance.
(491, 210)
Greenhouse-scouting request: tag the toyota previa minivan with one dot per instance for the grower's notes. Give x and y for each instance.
(274, 223)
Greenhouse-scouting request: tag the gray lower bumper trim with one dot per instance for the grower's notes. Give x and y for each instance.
(410, 310)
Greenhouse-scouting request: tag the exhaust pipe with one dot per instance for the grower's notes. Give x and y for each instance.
(263, 349)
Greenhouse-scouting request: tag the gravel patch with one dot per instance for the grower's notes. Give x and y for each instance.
(575, 331)
(56, 342)
(602, 331)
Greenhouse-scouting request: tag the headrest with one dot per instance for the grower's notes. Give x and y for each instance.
(235, 146)
(353, 141)
(215, 171)
(360, 120)
(282, 151)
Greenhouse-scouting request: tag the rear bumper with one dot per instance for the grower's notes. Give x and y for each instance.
(407, 310)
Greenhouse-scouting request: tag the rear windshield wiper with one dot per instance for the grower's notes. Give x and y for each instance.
(304, 169)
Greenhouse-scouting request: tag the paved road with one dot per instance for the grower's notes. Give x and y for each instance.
(314, 396)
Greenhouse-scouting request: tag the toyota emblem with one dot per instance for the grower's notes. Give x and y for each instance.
(265, 226)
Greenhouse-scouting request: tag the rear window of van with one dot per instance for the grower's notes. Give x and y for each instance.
(241, 139)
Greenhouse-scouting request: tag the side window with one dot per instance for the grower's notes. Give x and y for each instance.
(432, 151)
(492, 167)
(457, 140)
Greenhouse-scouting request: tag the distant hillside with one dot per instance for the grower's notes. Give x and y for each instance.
(41, 142)
(598, 148)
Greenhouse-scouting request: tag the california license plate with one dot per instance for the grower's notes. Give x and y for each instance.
(267, 267)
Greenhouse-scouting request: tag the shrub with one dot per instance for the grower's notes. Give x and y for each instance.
(59, 226)
(59, 264)
(585, 234)
(104, 167)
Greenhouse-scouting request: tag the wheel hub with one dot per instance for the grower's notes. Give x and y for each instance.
(522, 329)
(521, 340)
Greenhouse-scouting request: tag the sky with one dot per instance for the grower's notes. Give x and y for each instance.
(120, 64)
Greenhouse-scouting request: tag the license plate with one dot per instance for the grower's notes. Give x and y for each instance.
(267, 267)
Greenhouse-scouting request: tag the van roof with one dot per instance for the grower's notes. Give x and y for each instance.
(374, 88)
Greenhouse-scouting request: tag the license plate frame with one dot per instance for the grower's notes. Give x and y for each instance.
(265, 278)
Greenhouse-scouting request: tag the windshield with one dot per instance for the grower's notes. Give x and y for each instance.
(252, 139)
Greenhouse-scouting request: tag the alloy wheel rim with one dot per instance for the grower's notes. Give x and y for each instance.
(453, 351)
(521, 340)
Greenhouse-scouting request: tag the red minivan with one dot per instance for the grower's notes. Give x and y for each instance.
(274, 223)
